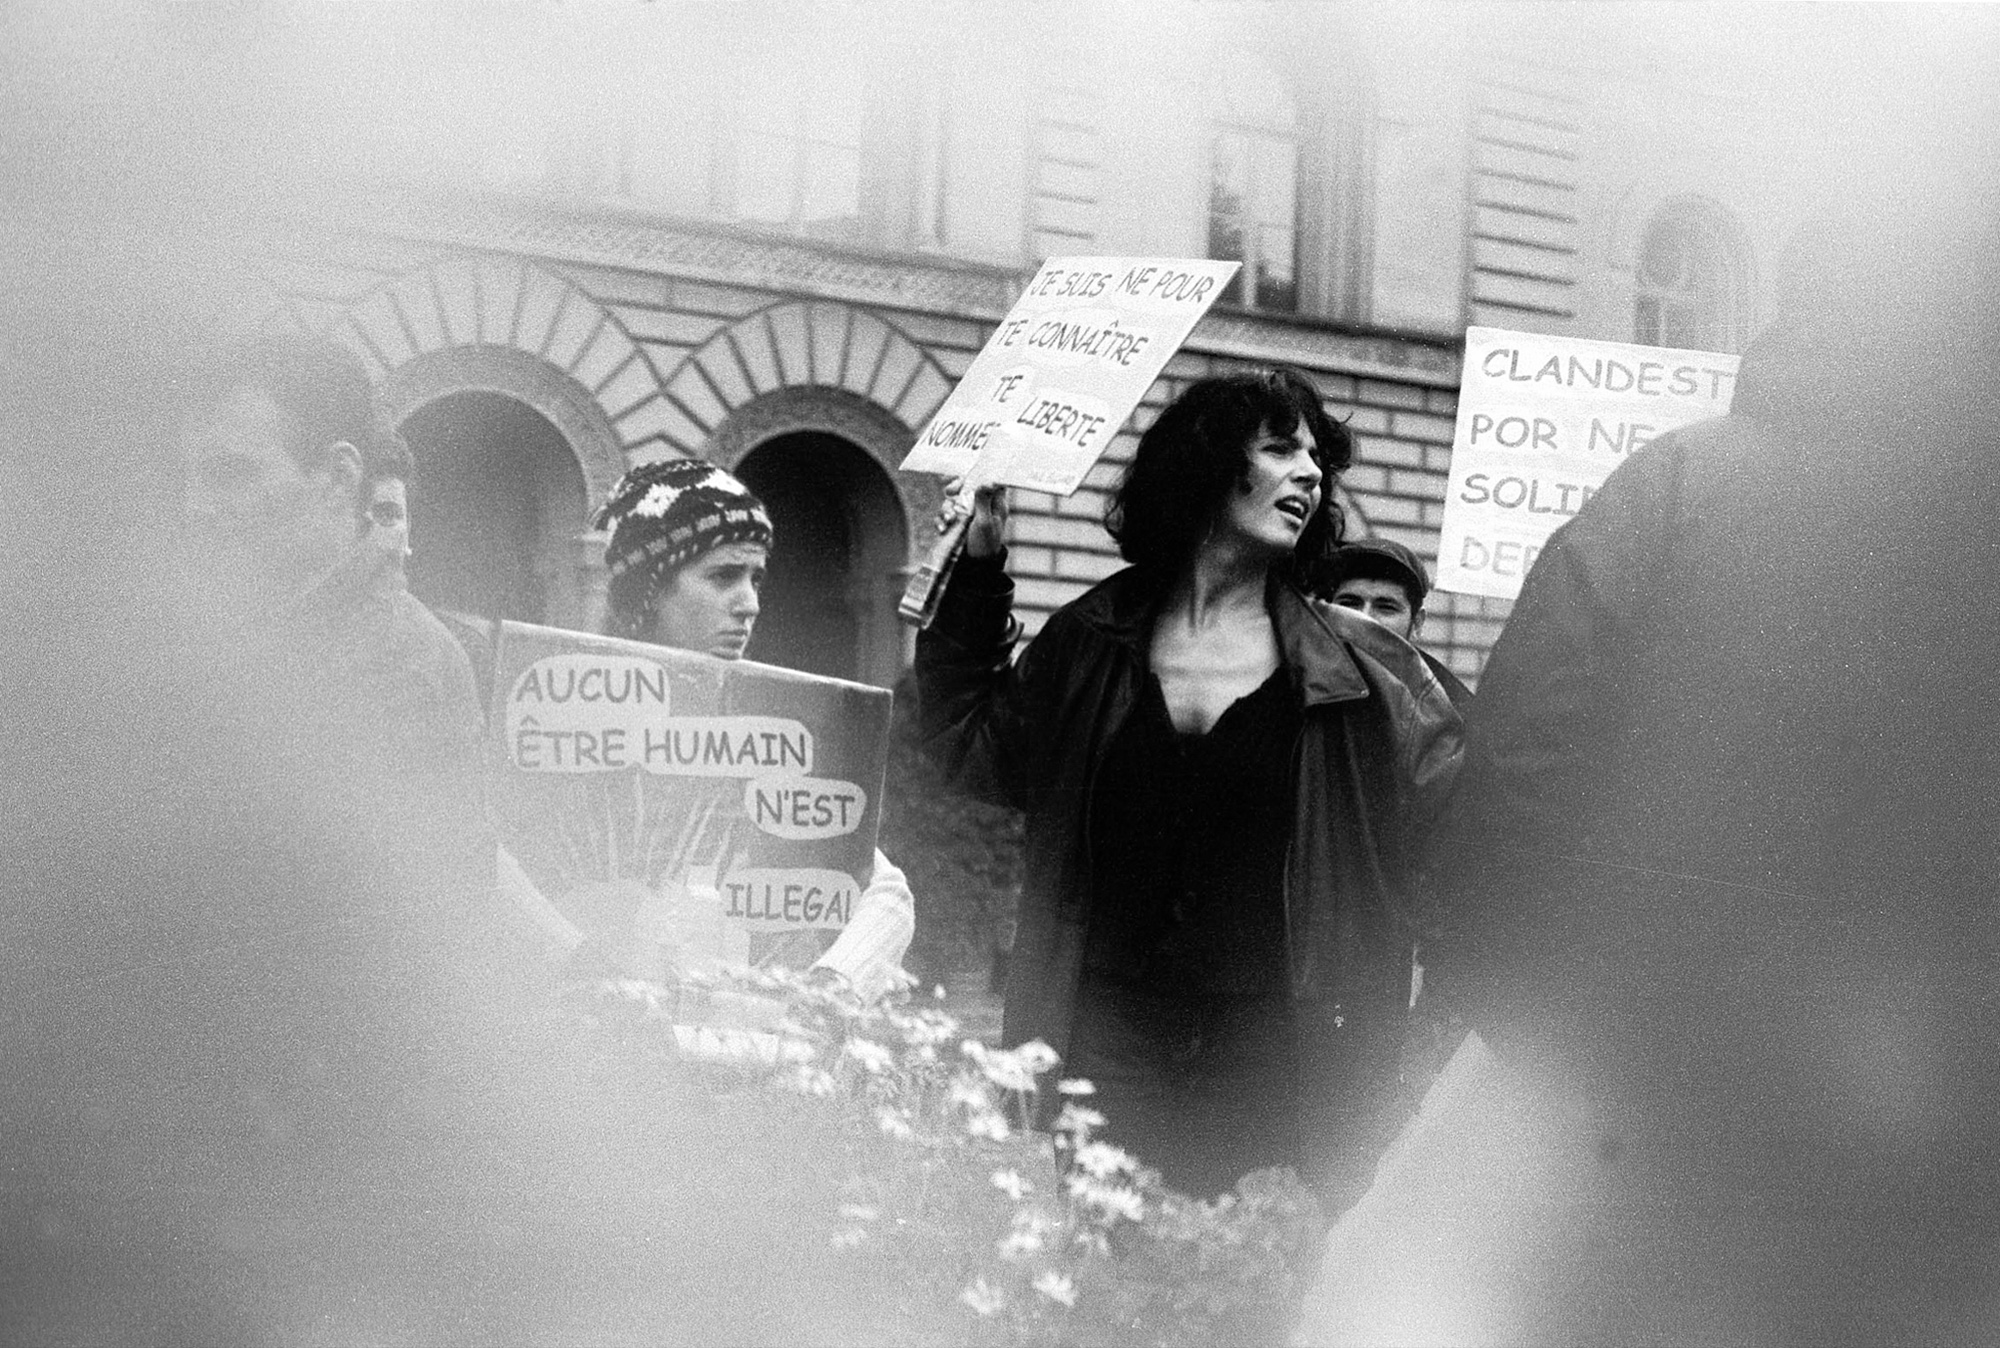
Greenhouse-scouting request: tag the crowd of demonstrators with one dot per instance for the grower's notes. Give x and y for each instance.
(1224, 784)
(1718, 865)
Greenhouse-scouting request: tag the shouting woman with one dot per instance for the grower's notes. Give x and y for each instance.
(1224, 783)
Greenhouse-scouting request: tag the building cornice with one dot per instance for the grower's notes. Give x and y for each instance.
(616, 237)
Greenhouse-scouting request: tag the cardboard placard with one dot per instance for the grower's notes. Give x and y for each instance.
(1064, 369)
(724, 810)
(1542, 421)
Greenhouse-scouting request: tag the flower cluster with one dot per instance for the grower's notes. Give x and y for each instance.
(959, 1200)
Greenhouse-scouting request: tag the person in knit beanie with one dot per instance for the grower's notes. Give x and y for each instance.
(687, 554)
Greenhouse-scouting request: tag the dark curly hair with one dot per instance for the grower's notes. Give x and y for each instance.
(1196, 452)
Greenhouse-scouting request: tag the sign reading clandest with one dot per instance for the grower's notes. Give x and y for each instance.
(1542, 421)
(1065, 368)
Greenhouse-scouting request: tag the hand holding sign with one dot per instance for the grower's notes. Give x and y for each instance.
(1051, 387)
(986, 531)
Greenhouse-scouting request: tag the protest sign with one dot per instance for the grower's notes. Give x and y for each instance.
(1065, 368)
(1542, 421)
(724, 812)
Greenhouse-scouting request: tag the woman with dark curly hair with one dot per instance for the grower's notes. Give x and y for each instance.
(1224, 780)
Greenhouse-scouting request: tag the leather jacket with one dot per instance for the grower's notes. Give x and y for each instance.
(1378, 748)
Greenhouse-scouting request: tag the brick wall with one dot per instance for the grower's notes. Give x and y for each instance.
(1059, 547)
(1395, 489)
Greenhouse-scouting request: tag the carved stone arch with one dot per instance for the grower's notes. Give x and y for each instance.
(456, 342)
(853, 358)
(881, 507)
(566, 404)
(506, 326)
(870, 426)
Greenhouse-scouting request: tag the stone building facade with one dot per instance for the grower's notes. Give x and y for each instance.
(789, 280)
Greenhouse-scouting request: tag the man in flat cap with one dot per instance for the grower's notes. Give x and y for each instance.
(1386, 582)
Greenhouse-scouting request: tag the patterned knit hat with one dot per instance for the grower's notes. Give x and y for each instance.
(663, 515)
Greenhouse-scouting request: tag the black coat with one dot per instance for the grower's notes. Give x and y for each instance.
(1723, 853)
(1378, 749)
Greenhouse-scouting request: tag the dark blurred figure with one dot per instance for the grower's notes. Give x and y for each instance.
(272, 1076)
(1386, 583)
(1723, 859)
(287, 462)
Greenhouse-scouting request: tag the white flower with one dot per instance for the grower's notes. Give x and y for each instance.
(1020, 1243)
(1118, 1201)
(1104, 1160)
(988, 1123)
(984, 1298)
(1037, 1056)
(1113, 1200)
(1056, 1286)
(809, 1080)
(1075, 1086)
(848, 1239)
(1077, 1119)
(1007, 1071)
(870, 1055)
(895, 1122)
(929, 1028)
(970, 1093)
(1010, 1183)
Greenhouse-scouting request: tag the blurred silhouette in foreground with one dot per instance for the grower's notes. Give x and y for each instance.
(1720, 885)
(274, 1073)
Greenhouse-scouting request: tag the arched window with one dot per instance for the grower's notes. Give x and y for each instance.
(1690, 279)
(1253, 198)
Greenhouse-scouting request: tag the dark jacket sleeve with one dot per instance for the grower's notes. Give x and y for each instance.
(1549, 706)
(978, 709)
(1548, 698)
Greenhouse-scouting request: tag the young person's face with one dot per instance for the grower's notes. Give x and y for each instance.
(1279, 494)
(1382, 601)
(711, 603)
(252, 508)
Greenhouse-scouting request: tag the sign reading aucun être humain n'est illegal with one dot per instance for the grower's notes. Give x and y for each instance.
(1542, 421)
(733, 803)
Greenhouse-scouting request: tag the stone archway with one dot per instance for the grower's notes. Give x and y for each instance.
(825, 461)
(481, 336)
(495, 510)
(814, 365)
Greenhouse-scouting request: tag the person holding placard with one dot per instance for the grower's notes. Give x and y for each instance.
(1224, 780)
(687, 551)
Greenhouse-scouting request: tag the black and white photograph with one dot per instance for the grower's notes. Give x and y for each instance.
(1009, 673)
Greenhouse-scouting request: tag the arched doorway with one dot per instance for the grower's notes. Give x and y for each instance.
(494, 512)
(830, 597)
